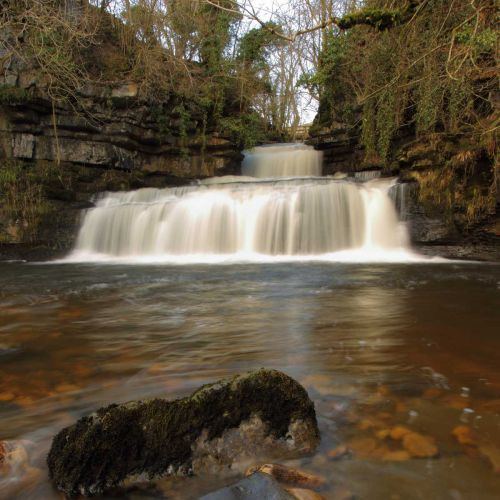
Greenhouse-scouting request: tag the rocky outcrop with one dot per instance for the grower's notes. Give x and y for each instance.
(446, 190)
(263, 412)
(106, 125)
(114, 129)
(341, 149)
(107, 138)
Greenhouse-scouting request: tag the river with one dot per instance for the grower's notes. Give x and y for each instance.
(388, 344)
(169, 289)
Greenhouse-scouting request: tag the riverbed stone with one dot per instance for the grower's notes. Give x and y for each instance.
(492, 454)
(399, 432)
(13, 456)
(420, 446)
(339, 452)
(305, 494)
(464, 435)
(289, 475)
(395, 456)
(258, 485)
(231, 420)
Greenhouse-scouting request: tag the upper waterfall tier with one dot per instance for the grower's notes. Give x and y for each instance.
(283, 160)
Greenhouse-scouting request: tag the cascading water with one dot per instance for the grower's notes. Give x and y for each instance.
(279, 210)
(284, 160)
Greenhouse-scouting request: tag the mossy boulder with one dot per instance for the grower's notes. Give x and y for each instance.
(220, 423)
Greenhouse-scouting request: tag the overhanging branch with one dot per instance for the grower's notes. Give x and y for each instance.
(380, 19)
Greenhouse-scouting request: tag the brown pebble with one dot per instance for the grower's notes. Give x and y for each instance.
(401, 407)
(288, 475)
(493, 406)
(303, 494)
(432, 393)
(396, 456)
(383, 390)
(338, 452)
(383, 433)
(379, 452)
(492, 453)
(62, 388)
(370, 423)
(24, 401)
(342, 493)
(456, 402)
(399, 432)
(385, 415)
(420, 446)
(464, 435)
(7, 396)
(362, 447)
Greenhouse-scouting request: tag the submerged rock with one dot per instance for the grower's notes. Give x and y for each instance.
(258, 485)
(16, 471)
(304, 494)
(420, 446)
(492, 453)
(289, 475)
(13, 456)
(465, 435)
(256, 413)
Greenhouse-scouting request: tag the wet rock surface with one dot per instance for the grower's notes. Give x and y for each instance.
(263, 411)
(289, 475)
(16, 467)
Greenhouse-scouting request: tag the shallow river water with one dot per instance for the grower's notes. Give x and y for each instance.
(376, 345)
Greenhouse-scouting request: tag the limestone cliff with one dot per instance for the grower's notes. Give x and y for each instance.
(114, 140)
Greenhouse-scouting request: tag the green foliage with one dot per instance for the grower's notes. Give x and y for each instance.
(459, 102)
(380, 19)
(426, 75)
(386, 123)
(429, 100)
(184, 118)
(162, 119)
(369, 129)
(12, 95)
(246, 130)
(22, 198)
(483, 42)
(256, 42)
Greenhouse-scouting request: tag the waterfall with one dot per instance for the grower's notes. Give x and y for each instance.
(401, 193)
(284, 160)
(278, 210)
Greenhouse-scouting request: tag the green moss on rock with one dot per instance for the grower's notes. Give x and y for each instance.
(157, 437)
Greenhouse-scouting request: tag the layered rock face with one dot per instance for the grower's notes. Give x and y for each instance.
(116, 130)
(109, 139)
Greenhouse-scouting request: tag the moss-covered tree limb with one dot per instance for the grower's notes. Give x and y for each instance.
(380, 19)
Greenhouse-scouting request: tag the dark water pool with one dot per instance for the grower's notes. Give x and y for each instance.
(375, 345)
